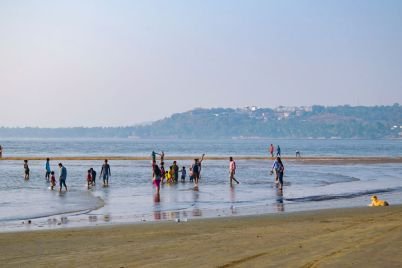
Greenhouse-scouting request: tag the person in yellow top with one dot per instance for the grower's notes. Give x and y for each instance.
(375, 202)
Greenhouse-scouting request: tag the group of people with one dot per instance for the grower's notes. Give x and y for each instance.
(161, 175)
(105, 174)
(272, 150)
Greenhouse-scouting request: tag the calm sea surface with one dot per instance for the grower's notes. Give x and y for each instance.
(131, 197)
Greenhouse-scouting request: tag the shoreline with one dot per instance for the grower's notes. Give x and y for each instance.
(344, 160)
(358, 236)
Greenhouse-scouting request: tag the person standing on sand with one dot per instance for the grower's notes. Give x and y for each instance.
(47, 167)
(271, 150)
(278, 151)
(232, 171)
(63, 176)
(26, 170)
(1, 151)
(105, 173)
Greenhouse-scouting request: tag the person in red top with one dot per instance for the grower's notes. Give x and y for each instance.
(232, 170)
(271, 150)
(89, 178)
(52, 180)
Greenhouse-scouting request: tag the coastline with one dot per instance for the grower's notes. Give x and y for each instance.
(344, 160)
(362, 236)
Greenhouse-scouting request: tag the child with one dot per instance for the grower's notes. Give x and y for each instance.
(167, 176)
(183, 174)
(52, 180)
(171, 174)
(89, 178)
(191, 174)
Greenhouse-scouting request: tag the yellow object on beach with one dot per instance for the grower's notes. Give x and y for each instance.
(375, 202)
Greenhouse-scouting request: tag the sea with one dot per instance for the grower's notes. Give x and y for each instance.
(131, 197)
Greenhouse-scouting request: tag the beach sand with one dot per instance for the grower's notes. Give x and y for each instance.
(357, 237)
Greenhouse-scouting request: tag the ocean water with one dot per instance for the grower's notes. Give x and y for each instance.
(132, 198)
(256, 147)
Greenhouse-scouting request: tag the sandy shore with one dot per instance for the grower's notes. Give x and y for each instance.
(358, 237)
(333, 160)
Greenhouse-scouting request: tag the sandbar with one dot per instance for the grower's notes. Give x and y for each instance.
(324, 160)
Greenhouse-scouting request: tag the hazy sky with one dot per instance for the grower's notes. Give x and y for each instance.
(108, 63)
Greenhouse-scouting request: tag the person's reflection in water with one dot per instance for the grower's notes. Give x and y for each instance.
(233, 199)
(280, 206)
(106, 199)
(157, 208)
(196, 210)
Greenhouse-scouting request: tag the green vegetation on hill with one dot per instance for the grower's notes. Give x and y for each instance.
(282, 122)
(251, 122)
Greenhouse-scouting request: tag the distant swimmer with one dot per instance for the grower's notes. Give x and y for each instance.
(232, 171)
(375, 202)
(26, 170)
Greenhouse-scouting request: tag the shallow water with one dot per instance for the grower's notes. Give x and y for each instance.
(131, 196)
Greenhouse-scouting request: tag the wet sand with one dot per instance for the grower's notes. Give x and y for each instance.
(358, 237)
(325, 160)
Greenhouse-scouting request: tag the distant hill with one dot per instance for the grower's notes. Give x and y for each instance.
(282, 122)
(250, 122)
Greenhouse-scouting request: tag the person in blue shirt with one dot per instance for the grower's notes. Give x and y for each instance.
(63, 176)
(278, 151)
(47, 167)
(279, 169)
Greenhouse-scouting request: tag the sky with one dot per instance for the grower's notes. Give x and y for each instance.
(119, 63)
